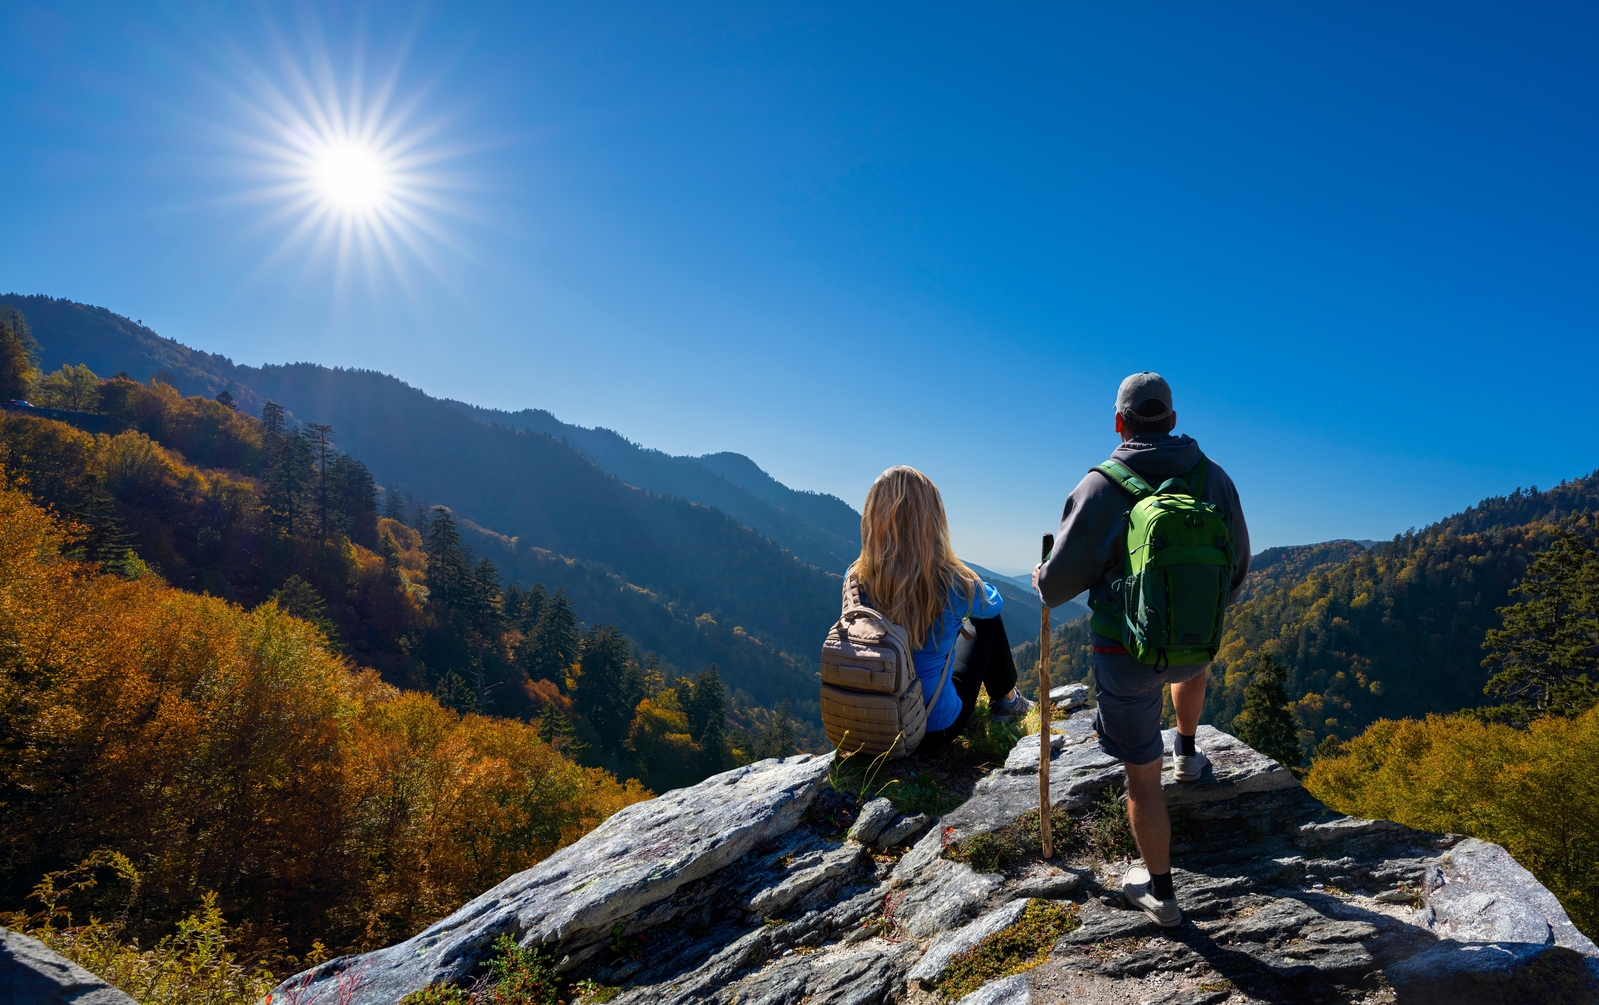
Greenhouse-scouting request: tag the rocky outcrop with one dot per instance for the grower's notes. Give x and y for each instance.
(31, 973)
(762, 887)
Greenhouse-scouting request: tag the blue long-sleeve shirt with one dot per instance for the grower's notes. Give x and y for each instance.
(929, 661)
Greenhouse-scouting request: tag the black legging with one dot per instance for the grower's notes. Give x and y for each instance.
(980, 662)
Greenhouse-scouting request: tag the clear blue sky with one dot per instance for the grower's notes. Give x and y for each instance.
(1359, 239)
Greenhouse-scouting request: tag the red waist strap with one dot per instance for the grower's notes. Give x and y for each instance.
(1110, 649)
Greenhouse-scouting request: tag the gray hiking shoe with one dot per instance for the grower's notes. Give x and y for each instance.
(1009, 711)
(1185, 768)
(1136, 888)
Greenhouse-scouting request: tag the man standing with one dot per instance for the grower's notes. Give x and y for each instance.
(1090, 552)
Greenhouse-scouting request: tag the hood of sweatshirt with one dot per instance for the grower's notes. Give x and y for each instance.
(1156, 457)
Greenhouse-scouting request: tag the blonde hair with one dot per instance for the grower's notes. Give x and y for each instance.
(906, 563)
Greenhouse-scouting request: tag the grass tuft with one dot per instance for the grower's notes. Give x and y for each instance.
(1017, 842)
(992, 740)
(1013, 950)
(1106, 831)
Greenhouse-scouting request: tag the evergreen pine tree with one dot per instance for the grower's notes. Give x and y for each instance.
(390, 553)
(552, 648)
(705, 705)
(287, 481)
(105, 541)
(482, 599)
(1547, 652)
(272, 419)
(557, 730)
(299, 598)
(1267, 725)
(653, 680)
(778, 739)
(601, 694)
(320, 440)
(393, 505)
(446, 560)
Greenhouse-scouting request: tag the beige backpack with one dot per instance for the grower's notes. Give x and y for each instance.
(869, 685)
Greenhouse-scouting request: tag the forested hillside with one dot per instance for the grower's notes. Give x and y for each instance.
(1397, 631)
(531, 487)
(748, 602)
(1394, 631)
(275, 512)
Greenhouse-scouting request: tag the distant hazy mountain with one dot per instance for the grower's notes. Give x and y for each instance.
(820, 529)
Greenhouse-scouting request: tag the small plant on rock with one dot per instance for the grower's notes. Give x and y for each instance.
(1017, 842)
(1013, 950)
(864, 779)
(522, 976)
(989, 739)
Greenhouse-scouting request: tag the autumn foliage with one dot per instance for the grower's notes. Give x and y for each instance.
(1532, 790)
(230, 750)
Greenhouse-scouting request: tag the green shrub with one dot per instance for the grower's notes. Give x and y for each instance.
(522, 976)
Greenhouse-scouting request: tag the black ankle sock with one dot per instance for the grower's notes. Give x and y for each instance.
(1160, 885)
(1185, 745)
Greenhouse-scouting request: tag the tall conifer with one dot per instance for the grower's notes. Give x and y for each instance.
(1267, 724)
(1547, 653)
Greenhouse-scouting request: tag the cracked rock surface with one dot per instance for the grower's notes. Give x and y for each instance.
(742, 889)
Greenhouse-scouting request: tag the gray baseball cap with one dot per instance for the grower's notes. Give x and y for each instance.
(1144, 396)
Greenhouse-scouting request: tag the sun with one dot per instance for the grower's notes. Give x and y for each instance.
(356, 173)
(351, 177)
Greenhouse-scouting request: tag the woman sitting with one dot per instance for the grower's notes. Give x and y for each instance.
(911, 574)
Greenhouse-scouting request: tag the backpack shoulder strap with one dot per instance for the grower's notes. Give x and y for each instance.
(1196, 477)
(949, 661)
(1124, 476)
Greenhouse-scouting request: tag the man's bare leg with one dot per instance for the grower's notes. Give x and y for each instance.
(1146, 802)
(1187, 699)
(1146, 810)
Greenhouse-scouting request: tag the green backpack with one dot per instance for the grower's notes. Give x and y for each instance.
(1167, 608)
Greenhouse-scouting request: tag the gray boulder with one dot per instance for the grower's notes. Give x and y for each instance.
(31, 973)
(902, 830)
(631, 862)
(1070, 697)
(1494, 973)
(1005, 991)
(728, 893)
(1474, 870)
(777, 898)
(869, 823)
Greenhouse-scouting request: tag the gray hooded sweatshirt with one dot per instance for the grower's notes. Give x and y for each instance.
(1089, 546)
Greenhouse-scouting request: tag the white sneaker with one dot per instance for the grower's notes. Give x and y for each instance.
(1185, 768)
(1136, 888)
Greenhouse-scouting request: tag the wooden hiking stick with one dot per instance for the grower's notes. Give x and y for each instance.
(1044, 706)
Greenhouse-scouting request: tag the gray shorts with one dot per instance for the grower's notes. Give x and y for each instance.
(1129, 694)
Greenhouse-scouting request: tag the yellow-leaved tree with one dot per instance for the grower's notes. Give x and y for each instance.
(1532, 790)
